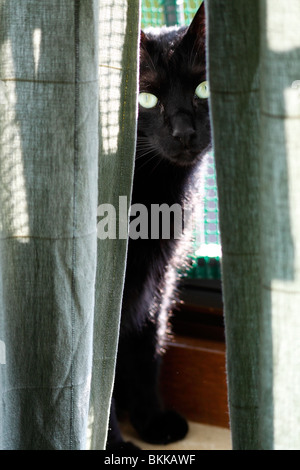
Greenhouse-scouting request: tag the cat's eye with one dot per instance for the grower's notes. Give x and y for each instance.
(147, 100)
(202, 90)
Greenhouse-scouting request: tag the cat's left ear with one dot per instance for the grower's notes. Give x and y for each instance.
(198, 25)
(196, 32)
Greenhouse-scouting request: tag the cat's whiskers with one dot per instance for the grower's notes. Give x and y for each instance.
(147, 152)
(149, 160)
(146, 143)
(154, 168)
(144, 154)
(144, 147)
(142, 139)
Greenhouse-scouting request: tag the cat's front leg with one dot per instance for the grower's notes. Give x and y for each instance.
(137, 383)
(115, 440)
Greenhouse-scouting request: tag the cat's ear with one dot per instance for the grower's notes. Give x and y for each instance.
(143, 47)
(196, 32)
(143, 43)
(143, 38)
(198, 25)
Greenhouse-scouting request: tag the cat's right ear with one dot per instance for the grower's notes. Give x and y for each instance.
(143, 38)
(143, 47)
(143, 43)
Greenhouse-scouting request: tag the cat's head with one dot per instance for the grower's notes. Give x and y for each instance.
(173, 100)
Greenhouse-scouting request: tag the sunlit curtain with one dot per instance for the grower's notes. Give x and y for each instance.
(119, 27)
(67, 137)
(254, 68)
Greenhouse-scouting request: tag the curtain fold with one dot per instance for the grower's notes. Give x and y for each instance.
(234, 80)
(119, 32)
(59, 293)
(254, 59)
(280, 229)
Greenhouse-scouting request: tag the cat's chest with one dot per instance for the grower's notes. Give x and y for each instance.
(158, 186)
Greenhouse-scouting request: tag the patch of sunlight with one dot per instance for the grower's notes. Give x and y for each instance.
(112, 19)
(14, 221)
(282, 25)
(37, 37)
(210, 250)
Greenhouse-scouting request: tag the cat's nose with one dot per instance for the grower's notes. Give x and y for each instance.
(183, 134)
(182, 128)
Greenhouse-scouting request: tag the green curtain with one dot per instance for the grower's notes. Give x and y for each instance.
(119, 30)
(67, 138)
(254, 71)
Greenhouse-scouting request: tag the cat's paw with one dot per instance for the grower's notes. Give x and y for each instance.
(166, 427)
(122, 446)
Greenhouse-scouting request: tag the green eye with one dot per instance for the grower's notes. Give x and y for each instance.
(147, 100)
(202, 90)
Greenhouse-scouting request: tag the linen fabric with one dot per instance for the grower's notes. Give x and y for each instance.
(254, 56)
(51, 140)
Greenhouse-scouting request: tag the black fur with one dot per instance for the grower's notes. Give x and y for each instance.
(172, 138)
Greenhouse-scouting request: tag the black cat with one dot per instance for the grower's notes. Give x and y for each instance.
(173, 136)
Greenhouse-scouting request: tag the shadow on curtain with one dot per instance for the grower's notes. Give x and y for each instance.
(254, 59)
(119, 31)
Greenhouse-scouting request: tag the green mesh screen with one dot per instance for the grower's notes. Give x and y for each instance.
(190, 8)
(160, 12)
(207, 246)
(152, 13)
